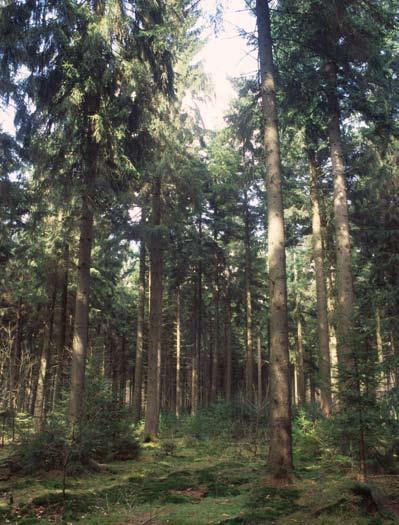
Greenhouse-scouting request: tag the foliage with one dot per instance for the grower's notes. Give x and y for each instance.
(199, 485)
(106, 434)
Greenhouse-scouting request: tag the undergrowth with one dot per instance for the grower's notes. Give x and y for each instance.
(207, 470)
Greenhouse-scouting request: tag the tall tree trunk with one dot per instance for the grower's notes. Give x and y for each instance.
(249, 358)
(349, 380)
(81, 322)
(260, 363)
(178, 355)
(299, 369)
(207, 363)
(123, 369)
(154, 350)
(138, 366)
(39, 407)
(331, 302)
(380, 353)
(80, 335)
(228, 350)
(15, 353)
(394, 381)
(321, 290)
(215, 352)
(343, 242)
(62, 323)
(280, 451)
(198, 327)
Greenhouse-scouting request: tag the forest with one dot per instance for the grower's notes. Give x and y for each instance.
(199, 326)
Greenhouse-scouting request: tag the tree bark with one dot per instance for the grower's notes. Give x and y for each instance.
(299, 369)
(59, 378)
(280, 451)
(81, 323)
(122, 371)
(228, 351)
(156, 289)
(178, 354)
(198, 327)
(260, 363)
(138, 366)
(383, 386)
(39, 407)
(321, 291)
(331, 302)
(80, 337)
(215, 352)
(249, 358)
(15, 352)
(343, 242)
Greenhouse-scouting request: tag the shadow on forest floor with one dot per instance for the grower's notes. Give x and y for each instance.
(197, 485)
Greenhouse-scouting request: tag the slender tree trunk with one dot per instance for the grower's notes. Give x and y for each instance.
(198, 328)
(207, 363)
(195, 372)
(299, 370)
(228, 351)
(343, 242)
(300, 367)
(394, 352)
(154, 350)
(349, 380)
(40, 402)
(332, 333)
(321, 291)
(138, 366)
(15, 353)
(260, 391)
(81, 323)
(178, 354)
(382, 386)
(122, 372)
(249, 358)
(22, 379)
(280, 451)
(28, 387)
(215, 353)
(63, 324)
(80, 335)
(115, 351)
(378, 335)
(331, 303)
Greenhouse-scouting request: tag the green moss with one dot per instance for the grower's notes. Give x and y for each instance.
(192, 488)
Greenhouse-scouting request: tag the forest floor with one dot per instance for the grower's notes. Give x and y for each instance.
(187, 481)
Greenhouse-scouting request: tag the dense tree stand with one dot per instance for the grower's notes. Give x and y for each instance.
(199, 283)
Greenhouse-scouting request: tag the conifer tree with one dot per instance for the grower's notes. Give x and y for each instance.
(280, 452)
